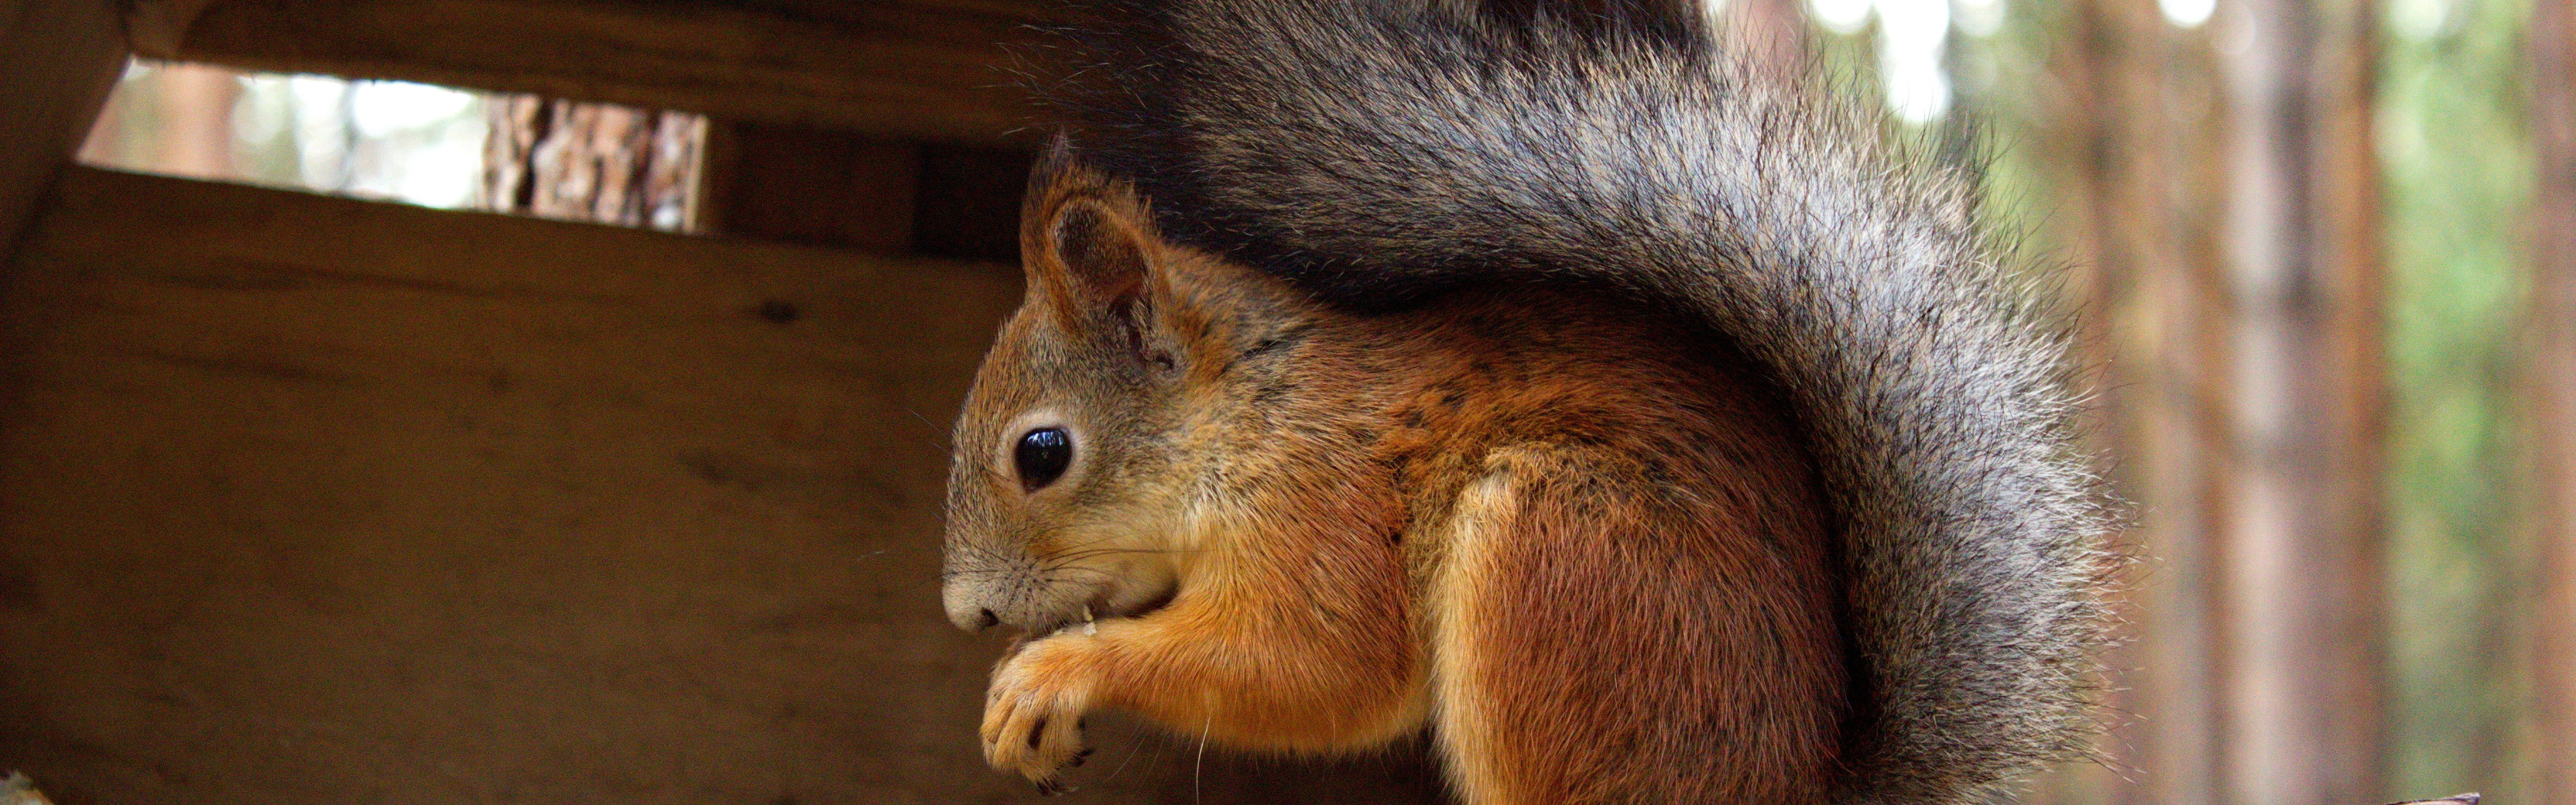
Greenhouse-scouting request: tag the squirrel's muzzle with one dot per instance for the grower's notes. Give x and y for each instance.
(966, 607)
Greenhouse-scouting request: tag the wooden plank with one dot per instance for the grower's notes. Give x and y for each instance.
(835, 188)
(815, 186)
(57, 60)
(911, 70)
(307, 500)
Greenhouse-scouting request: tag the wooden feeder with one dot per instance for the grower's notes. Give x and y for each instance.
(314, 500)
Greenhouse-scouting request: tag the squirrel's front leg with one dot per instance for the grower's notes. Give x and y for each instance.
(1033, 710)
(1310, 655)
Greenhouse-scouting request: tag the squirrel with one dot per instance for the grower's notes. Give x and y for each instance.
(1537, 376)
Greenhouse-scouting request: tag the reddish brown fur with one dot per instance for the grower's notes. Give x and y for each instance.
(1652, 610)
(1592, 559)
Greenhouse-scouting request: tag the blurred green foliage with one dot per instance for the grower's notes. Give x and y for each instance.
(2455, 158)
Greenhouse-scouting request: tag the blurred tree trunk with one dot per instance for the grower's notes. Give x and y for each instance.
(196, 137)
(1774, 32)
(2551, 370)
(2145, 173)
(2140, 170)
(594, 162)
(2305, 579)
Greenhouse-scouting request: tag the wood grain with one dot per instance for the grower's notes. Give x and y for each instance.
(910, 70)
(818, 187)
(310, 500)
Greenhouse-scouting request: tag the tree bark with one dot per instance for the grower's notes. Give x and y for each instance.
(2305, 560)
(2138, 156)
(596, 162)
(1773, 32)
(196, 137)
(2551, 374)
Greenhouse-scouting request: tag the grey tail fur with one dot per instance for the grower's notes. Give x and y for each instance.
(1378, 151)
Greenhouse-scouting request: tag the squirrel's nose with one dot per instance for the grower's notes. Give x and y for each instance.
(965, 609)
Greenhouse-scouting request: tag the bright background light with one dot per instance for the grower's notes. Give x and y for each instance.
(391, 140)
(2187, 13)
(1841, 16)
(1911, 34)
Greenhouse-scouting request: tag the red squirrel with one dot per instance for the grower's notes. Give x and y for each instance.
(1537, 376)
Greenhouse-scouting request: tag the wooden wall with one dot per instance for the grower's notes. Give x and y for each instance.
(309, 500)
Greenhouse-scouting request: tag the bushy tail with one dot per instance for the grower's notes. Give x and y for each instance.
(1378, 150)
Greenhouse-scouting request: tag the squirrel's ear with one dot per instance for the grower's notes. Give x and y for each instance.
(1093, 253)
(1083, 239)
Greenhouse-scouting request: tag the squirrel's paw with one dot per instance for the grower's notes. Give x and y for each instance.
(1033, 712)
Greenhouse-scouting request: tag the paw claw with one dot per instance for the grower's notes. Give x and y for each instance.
(1033, 713)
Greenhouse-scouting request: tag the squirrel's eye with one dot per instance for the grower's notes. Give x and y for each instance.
(1042, 456)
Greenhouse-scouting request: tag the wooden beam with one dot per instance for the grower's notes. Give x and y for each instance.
(57, 60)
(815, 186)
(917, 69)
